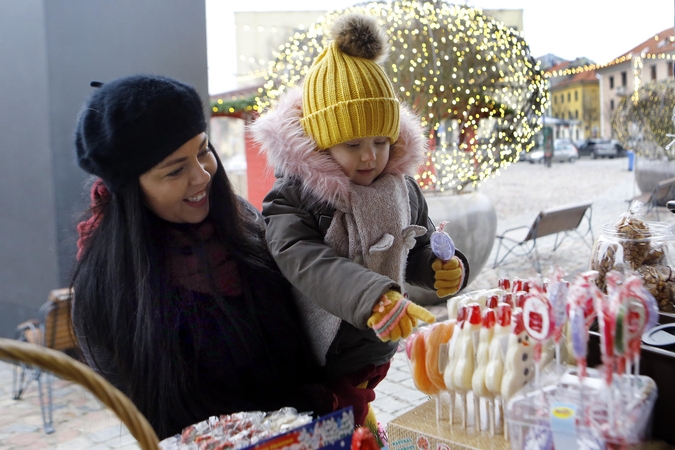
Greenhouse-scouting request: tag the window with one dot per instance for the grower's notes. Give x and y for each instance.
(576, 95)
(562, 98)
(653, 72)
(623, 78)
(569, 97)
(611, 82)
(611, 104)
(576, 114)
(670, 68)
(555, 100)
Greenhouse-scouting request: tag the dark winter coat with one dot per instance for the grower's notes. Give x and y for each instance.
(336, 295)
(244, 352)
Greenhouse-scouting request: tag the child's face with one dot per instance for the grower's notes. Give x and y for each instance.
(363, 159)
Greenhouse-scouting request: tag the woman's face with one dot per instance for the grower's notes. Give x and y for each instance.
(177, 189)
(362, 160)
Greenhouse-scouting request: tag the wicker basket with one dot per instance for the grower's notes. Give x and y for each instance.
(70, 369)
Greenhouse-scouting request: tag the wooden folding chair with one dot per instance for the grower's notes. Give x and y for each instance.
(660, 195)
(554, 221)
(52, 329)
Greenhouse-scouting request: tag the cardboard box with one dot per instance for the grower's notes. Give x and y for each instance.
(330, 432)
(418, 430)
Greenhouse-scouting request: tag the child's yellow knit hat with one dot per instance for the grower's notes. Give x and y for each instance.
(346, 94)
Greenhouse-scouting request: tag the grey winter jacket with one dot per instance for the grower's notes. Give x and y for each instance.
(335, 294)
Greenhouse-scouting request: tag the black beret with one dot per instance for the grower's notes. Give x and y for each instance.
(131, 124)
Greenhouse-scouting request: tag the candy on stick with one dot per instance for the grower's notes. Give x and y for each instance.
(452, 345)
(606, 324)
(618, 310)
(518, 362)
(441, 243)
(538, 321)
(439, 334)
(642, 315)
(508, 298)
(454, 303)
(582, 296)
(416, 351)
(478, 386)
(436, 343)
(464, 354)
(504, 283)
(494, 371)
(557, 295)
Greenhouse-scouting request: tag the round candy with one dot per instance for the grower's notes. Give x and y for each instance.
(442, 245)
(537, 317)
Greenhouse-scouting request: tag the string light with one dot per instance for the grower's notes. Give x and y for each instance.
(646, 116)
(472, 80)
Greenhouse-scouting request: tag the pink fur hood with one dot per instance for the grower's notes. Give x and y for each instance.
(290, 152)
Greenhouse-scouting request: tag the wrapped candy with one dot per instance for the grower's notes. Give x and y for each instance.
(581, 312)
(557, 295)
(441, 244)
(478, 386)
(416, 352)
(538, 321)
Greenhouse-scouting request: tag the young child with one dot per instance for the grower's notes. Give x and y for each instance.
(346, 222)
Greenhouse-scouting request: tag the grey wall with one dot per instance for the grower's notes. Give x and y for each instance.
(49, 52)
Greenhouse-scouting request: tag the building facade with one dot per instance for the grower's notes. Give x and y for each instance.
(577, 98)
(651, 60)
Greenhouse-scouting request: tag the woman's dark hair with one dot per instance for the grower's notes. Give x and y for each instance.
(121, 295)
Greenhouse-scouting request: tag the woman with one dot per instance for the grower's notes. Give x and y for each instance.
(177, 300)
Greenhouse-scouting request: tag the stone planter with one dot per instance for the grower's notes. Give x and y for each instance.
(648, 173)
(472, 224)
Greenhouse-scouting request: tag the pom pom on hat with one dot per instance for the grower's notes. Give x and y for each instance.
(131, 124)
(361, 36)
(346, 94)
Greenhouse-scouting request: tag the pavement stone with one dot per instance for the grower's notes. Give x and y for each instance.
(517, 193)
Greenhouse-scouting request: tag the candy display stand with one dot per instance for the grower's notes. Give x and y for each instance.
(580, 412)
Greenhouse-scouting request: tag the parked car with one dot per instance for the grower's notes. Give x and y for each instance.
(601, 148)
(604, 149)
(563, 151)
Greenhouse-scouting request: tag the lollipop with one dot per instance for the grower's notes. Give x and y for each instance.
(504, 283)
(557, 295)
(538, 321)
(441, 244)
(642, 315)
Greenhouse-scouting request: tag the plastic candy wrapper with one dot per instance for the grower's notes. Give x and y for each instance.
(442, 244)
(632, 244)
(574, 412)
(235, 431)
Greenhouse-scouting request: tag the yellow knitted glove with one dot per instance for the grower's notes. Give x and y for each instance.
(449, 276)
(394, 317)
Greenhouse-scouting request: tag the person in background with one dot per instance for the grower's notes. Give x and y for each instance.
(346, 222)
(177, 301)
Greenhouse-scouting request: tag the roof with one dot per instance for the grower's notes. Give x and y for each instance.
(587, 76)
(662, 42)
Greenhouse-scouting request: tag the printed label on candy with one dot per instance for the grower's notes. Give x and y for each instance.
(536, 318)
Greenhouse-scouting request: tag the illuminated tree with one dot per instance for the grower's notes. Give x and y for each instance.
(646, 118)
(471, 78)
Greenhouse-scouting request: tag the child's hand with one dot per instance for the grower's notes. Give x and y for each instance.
(394, 317)
(449, 276)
